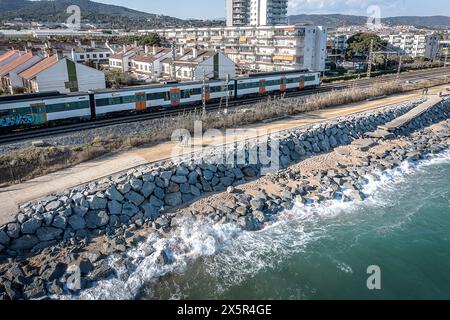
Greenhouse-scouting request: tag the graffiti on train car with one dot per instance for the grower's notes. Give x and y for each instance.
(22, 119)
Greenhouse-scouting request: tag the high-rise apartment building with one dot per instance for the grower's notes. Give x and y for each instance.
(256, 12)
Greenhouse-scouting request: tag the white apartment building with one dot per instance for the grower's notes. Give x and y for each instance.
(339, 41)
(414, 45)
(259, 48)
(256, 12)
(123, 60)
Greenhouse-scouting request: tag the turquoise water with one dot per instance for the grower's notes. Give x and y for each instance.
(323, 253)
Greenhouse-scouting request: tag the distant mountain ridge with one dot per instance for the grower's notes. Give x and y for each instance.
(117, 17)
(339, 20)
(104, 15)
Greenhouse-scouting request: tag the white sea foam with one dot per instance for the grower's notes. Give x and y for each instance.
(232, 255)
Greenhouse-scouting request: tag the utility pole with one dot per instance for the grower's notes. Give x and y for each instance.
(446, 56)
(369, 65)
(228, 94)
(174, 57)
(204, 93)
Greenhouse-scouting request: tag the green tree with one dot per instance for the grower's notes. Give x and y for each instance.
(360, 43)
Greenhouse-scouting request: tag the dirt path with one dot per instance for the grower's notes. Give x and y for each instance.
(11, 197)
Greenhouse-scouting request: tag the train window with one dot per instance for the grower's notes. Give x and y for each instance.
(231, 87)
(129, 99)
(155, 96)
(195, 91)
(185, 94)
(115, 100)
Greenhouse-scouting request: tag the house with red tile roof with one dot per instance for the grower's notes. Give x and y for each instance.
(9, 73)
(9, 56)
(61, 74)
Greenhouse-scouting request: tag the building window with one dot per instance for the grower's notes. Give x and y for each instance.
(81, 56)
(94, 56)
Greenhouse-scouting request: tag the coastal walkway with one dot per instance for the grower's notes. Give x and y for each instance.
(386, 131)
(12, 197)
(411, 115)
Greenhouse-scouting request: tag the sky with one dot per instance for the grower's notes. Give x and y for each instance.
(211, 9)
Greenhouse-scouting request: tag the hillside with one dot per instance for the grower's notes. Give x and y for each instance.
(338, 20)
(102, 15)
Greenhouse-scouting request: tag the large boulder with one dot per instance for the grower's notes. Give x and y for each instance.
(96, 219)
(25, 242)
(30, 226)
(96, 202)
(134, 197)
(147, 189)
(48, 233)
(77, 222)
(173, 199)
(113, 194)
(129, 209)
(114, 207)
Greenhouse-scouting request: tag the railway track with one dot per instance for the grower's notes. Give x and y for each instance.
(59, 130)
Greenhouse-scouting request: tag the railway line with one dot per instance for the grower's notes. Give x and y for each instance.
(59, 130)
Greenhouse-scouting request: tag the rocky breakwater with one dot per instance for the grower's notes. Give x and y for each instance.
(148, 199)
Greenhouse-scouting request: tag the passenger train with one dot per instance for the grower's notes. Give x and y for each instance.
(47, 108)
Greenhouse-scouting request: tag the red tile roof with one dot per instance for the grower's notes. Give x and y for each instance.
(39, 67)
(7, 55)
(14, 64)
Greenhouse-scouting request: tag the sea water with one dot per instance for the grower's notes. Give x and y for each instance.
(320, 252)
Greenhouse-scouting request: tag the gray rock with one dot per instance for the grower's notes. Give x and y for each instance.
(124, 188)
(159, 193)
(242, 211)
(77, 222)
(135, 198)
(166, 257)
(96, 219)
(231, 189)
(81, 211)
(257, 204)
(193, 177)
(173, 199)
(60, 222)
(185, 188)
(48, 218)
(179, 179)
(129, 209)
(113, 194)
(25, 242)
(48, 233)
(195, 191)
(114, 207)
(54, 205)
(151, 212)
(30, 226)
(249, 172)
(182, 171)
(97, 203)
(173, 187)
(13, 230)
(147, 189)
(208, 175)
(136, 184)
(4, 239)
(154, 201)
(166, 175)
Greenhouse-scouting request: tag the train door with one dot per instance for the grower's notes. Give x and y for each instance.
(39, 113)
(141, 103)
(175, 96)
(206, 95)
(301, 84)
(283, 84)
(262, 86)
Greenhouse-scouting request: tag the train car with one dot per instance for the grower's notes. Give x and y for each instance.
(266, 83)
(157, 97)
(27, 111)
